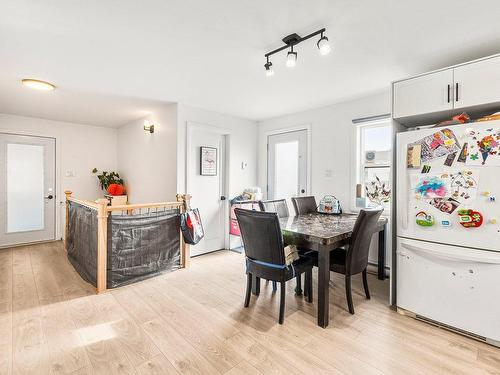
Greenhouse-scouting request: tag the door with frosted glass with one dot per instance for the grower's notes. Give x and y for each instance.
(27, 189)
(287, 165)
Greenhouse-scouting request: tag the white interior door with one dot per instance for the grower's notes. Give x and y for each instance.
(208, 190)
(287, 165)
(27, 189)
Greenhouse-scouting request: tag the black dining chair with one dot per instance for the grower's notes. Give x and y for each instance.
(265, 255)
(277, 205)
(281, 208)
(354, 258)
(304, 205)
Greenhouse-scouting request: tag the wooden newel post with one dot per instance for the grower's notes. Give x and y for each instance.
(102, 244)
(185, 255)
(66, 228)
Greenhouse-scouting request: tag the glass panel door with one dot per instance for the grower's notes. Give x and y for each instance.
(27, 189)
(287, 165)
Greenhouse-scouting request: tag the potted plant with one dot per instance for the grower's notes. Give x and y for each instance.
(112, 184)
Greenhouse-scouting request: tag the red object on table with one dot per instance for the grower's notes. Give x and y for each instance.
(116, 189)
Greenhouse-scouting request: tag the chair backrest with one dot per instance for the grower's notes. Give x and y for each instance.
(304, 205)
(359, 244)
(261, 235)
(278, 205)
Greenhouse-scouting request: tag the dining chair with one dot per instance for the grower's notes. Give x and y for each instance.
(265, 254)
(281, 208)
(277, 205)
(304, 205)
(353, 259)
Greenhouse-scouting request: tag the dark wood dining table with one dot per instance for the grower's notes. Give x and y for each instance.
(323, 233)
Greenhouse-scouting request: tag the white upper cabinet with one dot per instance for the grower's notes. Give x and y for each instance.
(425, 94)
(477, 83)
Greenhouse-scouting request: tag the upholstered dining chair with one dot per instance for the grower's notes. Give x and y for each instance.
(304, 205)
(353, 259)
(265, 255)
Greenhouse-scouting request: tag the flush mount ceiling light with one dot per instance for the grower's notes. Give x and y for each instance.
(291, 41)
(37, 84)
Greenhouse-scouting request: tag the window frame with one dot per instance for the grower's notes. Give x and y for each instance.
(359, 159)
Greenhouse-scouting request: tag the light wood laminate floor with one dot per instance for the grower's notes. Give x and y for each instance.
(193, 321)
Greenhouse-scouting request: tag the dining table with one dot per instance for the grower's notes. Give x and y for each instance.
(323, 233)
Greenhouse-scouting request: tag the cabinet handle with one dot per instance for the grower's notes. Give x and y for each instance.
(456, 91)
(449, 87)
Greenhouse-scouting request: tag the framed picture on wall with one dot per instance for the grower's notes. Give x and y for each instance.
(208, 161)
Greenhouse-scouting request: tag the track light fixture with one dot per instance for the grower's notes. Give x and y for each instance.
(291, 58)
(291, 41)
(269, 68)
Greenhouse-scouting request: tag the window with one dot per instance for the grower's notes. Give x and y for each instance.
(374, 144)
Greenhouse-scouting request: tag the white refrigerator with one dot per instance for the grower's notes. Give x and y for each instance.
(448, 226)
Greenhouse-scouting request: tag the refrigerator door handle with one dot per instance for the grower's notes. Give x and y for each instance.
(483, 258)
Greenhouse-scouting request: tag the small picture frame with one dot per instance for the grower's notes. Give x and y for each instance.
(208, 161)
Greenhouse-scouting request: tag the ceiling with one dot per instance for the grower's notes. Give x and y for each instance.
(105, 55)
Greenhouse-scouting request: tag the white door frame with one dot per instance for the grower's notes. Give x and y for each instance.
(58, 188)
(226, 132)
(307, 128)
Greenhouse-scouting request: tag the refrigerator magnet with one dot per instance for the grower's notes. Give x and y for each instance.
(424, 219)
(470, 218)
(413, 155)
(446, 223)
(450, 159)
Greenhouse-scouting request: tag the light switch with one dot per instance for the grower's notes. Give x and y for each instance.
(244, 164)
(328, 173)
(70, 174)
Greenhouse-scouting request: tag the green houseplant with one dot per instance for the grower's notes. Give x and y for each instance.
(107, 178)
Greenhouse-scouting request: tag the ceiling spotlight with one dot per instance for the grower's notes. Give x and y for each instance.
(323, 45)
(291, 58)
(37, 84)
(269, 68)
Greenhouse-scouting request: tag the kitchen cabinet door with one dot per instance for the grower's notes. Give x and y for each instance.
(478, 83)
(425, 94)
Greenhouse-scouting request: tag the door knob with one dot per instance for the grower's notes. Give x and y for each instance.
(302, 191)
(50, 196)
(222, 198)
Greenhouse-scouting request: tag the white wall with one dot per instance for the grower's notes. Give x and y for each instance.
(332, 145)
(243, 146)
(148, 162)
(79, 148)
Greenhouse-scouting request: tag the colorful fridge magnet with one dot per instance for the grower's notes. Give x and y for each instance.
(470, 218)
(484, 147)
(493, 220)
(424, 219)
(462, 157)
(413, 155)
(446, 223)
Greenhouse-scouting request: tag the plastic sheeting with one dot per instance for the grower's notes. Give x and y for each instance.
(139, 246)
(81, 241)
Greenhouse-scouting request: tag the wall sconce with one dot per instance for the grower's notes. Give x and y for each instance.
(149, 127)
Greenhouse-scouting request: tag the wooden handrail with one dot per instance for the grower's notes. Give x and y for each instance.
(85, 203)
(130, 207)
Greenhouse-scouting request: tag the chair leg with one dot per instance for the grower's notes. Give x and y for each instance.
(257, 286)
(282, 303)
(309, 287)
(249, 289)
(275, 286)
(298, 288)
(348, 294)
(365, 285)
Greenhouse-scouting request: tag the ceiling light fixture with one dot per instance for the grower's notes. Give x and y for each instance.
(149, 126)
(269, 68)
(291, 41)
(37, 84)
(291, 58)
(323, 45)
